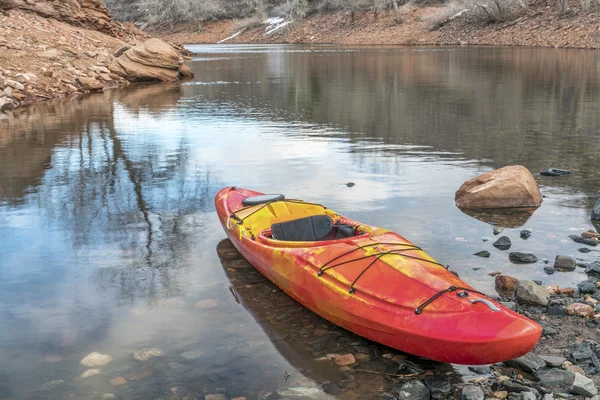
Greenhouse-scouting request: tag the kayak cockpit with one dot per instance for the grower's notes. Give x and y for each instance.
(292, 222)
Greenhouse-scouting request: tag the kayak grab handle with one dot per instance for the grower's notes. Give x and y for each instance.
(486, 302)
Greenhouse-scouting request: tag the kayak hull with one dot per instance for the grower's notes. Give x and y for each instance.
(383, 304)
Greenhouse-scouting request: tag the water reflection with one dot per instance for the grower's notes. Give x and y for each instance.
(108, 230)
(512, 218)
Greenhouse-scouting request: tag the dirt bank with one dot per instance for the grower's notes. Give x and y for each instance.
(539, 26)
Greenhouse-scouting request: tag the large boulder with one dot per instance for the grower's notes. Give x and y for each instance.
(153, 60)
(508, 187)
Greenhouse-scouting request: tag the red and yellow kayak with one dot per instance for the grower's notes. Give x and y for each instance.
(371, 281)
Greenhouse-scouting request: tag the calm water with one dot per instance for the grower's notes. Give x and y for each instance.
(108, 234)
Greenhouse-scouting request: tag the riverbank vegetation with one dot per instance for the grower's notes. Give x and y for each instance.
(159, 12)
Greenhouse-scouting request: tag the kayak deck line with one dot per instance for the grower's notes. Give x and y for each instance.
(436, 296)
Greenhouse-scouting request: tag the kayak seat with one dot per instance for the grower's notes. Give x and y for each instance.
(311, 229)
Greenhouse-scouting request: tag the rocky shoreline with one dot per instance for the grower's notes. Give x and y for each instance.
(59, 50)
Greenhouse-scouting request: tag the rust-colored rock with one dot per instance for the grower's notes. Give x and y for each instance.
(583, 310)
(505, 285)
(153, 60)
(508, 187)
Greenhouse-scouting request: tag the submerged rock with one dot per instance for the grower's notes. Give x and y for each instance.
(439, 385)
(413, 390)
(522, 258)
(484, 254)
(582, 240)
(96, 360)
(530, 293)
(90, 372)
(503, 243)
(555, 172)
(525, 234)
(549, 270)
(147, 353)
(299, 391)
(508, 187)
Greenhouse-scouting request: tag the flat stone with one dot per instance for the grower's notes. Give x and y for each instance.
(14, 84)
(118, 381)
(109, 396)
(511, 305)
(439, 385)
(413, 390)
(483, 254)
(530, 362)
(584, 386)
(553, 361)
(346, 359)
(147, 353)
(503, 243)
(522, 258)
(528, 396)
(555, 378)
(565, 263)
(497, 230)
(530, 293)
(90, 372)
(471, 392)
(96, 360)
(50, 54)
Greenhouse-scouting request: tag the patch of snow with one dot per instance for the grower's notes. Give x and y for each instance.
(231, 37)
(274, 24)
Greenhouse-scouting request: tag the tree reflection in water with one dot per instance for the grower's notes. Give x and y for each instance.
(109, 189)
